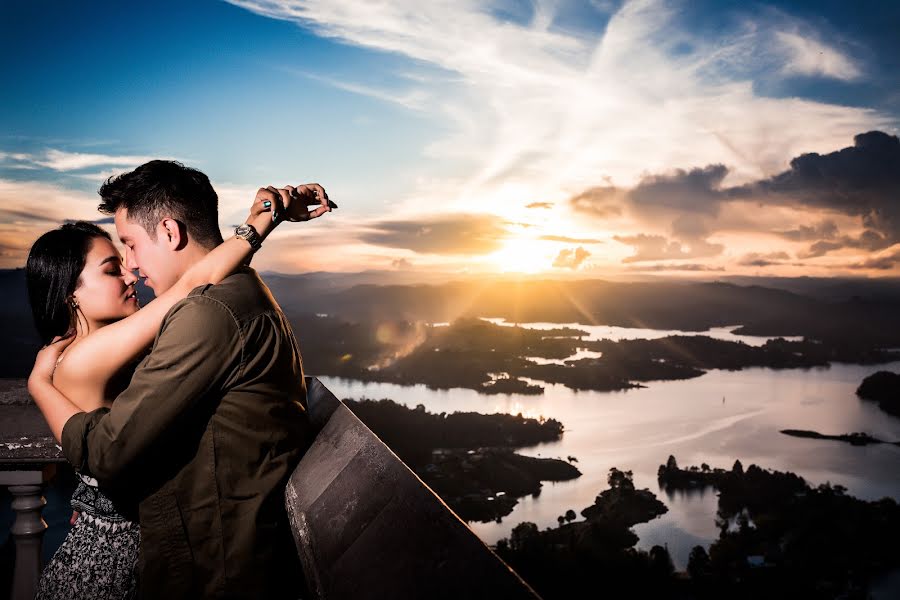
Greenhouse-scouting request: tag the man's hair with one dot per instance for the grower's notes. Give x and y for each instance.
(166, 188)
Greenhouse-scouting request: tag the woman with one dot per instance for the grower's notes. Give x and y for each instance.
(81, 293)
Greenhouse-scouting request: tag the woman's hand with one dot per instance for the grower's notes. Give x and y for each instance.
(273, 205)
(47, 357)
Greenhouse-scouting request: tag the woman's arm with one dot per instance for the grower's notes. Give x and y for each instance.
(54, 405)
(99, 356)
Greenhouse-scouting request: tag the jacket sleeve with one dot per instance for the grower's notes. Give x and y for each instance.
(198, 353)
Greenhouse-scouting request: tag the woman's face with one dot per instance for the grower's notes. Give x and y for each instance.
(105, 292)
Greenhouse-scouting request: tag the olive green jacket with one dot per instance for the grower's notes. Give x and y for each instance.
(204, 440)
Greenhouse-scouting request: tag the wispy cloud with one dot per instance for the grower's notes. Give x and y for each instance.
(28, 209)
(809, 56)
(60, 160)
(536, 102)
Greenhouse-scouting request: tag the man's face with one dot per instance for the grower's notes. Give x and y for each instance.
(155, 260)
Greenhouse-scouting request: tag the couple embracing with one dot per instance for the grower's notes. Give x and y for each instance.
(184, 419)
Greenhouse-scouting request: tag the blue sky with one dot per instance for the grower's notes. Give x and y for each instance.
(523, 136)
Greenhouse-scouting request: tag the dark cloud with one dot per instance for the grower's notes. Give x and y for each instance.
(755, 259)
(825, 230)
(657, 247)
(867, 240)
(539, 205)
(401, 264)
(27, 217)
(444, 234)
(861, 180)
(697, 190)
(571, 258)
(570, 240)
(883, 263)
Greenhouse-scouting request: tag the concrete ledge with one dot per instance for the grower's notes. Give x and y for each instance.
(25, 439)
(367, 527)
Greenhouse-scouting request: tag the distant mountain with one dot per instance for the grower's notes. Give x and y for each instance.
(852, 314)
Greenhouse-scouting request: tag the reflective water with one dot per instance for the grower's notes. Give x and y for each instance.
(716, 418)
(610, 332)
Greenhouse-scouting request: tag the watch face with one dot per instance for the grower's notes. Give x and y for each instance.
(242, 230)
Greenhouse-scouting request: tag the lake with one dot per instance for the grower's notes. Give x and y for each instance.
(716, 418)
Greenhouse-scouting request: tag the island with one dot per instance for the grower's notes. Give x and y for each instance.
(882, 387)
(596, 555)
(856, 439)
(489, 358)
(467, 458)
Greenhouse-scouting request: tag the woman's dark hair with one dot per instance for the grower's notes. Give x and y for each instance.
(54, 265)
(166, 188)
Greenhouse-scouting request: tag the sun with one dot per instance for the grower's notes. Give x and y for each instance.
(522, 255)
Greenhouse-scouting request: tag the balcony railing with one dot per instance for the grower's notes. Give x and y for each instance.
(365, 525)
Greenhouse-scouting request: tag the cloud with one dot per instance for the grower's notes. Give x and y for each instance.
(826, 229)
(59, 160)
(657, 247)
(569, 240)
(676, 267)
(602, 201)
(867, 240)
(571, 258)
(539, 205)
(756, 259)
(861, 180)
(412, 100)
(885, 262)
(28, 209)
(696, 190)
(809, 56)
(440, 234)
(401, 264)
(528, 102)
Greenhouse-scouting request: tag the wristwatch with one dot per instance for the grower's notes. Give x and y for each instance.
(248, 232)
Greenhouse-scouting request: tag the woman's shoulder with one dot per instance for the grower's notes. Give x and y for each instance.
(76, 383)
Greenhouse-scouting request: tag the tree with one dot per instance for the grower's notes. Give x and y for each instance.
(698, 562)
(738, 468)
(661, 561)
(523, 536)
(560, 519)
(620, 480)
(570, 515)
(672, 464)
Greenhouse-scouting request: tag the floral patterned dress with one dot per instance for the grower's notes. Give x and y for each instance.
(97, 558)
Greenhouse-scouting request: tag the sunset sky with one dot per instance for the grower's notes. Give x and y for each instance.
(593, 138)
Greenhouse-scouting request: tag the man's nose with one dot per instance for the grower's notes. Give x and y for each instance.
(130, 263)
(128, 276)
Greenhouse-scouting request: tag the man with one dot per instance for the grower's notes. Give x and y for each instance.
(214, 420)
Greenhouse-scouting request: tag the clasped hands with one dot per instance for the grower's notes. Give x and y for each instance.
(289, 203)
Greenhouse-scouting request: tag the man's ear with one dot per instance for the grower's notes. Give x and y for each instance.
(172, 233)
